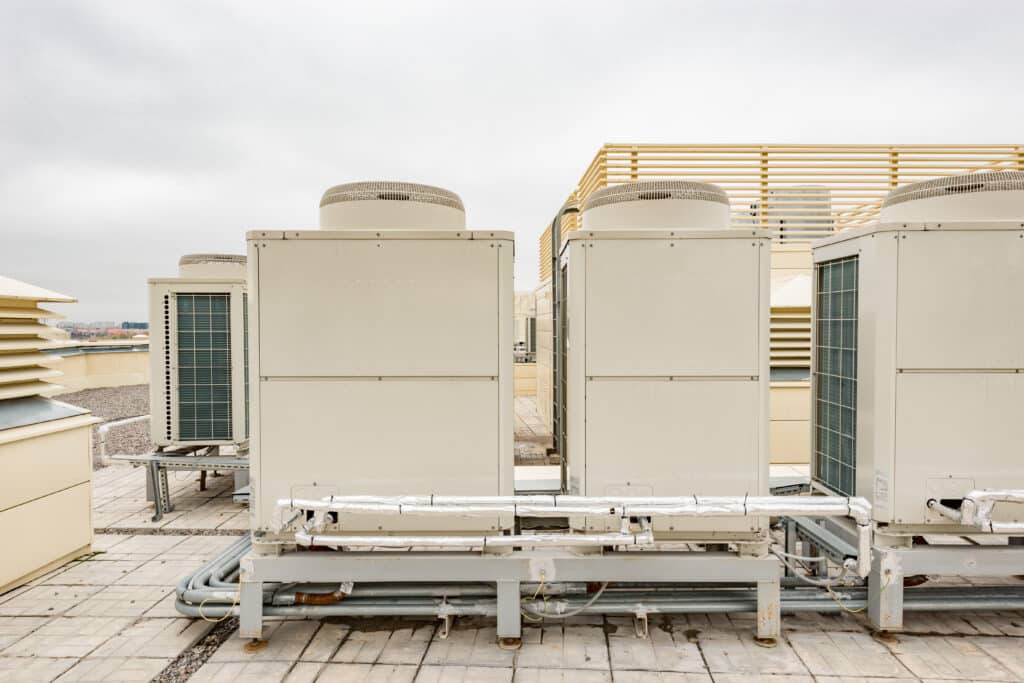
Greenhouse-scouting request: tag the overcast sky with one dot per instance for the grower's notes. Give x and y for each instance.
(133, 132)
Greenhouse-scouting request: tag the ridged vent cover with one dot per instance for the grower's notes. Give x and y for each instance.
(656, 189)
(385, 190)
(954, 185)
(197, 259)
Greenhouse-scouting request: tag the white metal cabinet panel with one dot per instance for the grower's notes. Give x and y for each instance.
(673, 307)
(574, 321)
(37, 466)
(44, 531)
(959, 299)
(670, 438)
(336, 307)
(370, 437)
(963, 426)
(504, 449)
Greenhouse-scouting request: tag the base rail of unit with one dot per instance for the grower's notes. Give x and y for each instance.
(539, 585)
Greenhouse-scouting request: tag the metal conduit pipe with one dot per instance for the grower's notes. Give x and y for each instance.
(285, 596)
(741, 601)
(226, 563)
(103, 429)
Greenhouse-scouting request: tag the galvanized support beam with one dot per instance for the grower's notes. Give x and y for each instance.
(890, 565)
(509, 616)
(250, 610)
(885, 590)
(451, 566)
(769, 608)
(791, 539)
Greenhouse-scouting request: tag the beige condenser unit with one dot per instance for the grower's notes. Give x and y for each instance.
(382, 344)
(663, 337)
(919, 350)
(198, 354)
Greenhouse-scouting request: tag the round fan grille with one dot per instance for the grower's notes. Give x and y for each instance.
(656, 189)
(385, 190)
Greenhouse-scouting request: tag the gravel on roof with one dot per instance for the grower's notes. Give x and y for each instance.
(114, 403)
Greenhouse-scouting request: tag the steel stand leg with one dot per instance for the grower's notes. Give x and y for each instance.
(769, 609)
(250, 609)
(790, 543)
(509, 617)
(161, 491)
(885, 591)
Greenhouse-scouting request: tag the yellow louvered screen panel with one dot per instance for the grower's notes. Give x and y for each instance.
(35, 388)
(800, 192)
(14, 327)
(545, 254)
(24, 367)
(28, 312)
(26, 373)
(16, 360)
(790, 337)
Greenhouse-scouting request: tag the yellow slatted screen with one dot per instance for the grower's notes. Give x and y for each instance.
(800, 192)
(24, 367)
(790, 333)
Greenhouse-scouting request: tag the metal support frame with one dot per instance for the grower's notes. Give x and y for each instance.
(891, 565)
(157, 465)
(507, 572)
(829, 538)
(897, 558)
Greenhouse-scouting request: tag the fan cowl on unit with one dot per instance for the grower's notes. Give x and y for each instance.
(980, 197)
(389, 205)
(657, 205)
(212, 266)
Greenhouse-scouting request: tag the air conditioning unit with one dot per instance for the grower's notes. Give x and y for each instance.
(919, 349)
(383, 347)
(664, 349)
(198, 353)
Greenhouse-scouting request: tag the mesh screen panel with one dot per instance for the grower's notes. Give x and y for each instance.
(835, 375)
(204, 367)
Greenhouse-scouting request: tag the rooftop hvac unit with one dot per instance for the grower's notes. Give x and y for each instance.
(198, 355)
(383, 348)
(919, 349)
(664, 351)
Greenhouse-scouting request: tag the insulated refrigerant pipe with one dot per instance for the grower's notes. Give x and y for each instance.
(623, 508)
(977, 507)
(547, 506)
(642, 538)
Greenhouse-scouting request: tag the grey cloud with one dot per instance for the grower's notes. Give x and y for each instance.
(133, 132)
